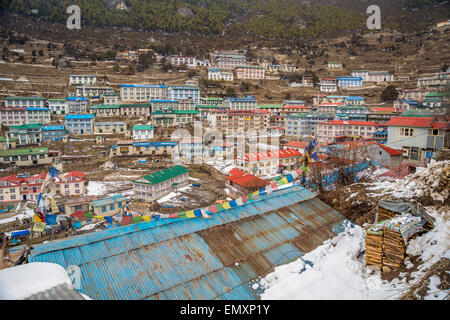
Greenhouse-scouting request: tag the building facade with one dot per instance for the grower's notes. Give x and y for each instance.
(143, 132)
(79, 123)
(82, 79)
(331, 130)
(25, 102)
(250, 72)
(142, 92)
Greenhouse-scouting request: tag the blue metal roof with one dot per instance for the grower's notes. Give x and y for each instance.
(197, 258)
(109, 200)
(155, 144)
(142, 86)
(355, 98)
(78, 116)
(50, 128)
(38, 109)
(76, 98)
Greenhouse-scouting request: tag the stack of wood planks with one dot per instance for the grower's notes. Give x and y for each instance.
(374, 247)
(384, 214)
(394, 249)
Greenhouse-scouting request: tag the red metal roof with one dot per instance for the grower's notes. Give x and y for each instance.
(382, 109)
(441, 125)
(296, 144)
(295, 107)
(246, 180)
(268, 155)
(392, 152)
(423, 122)
(78, 214)
(356, 144)
(351, 123)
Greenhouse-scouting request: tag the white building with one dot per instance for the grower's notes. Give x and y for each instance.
(218, 75)
(328, 84)
(58, 106)
(142, 92)
(143, 132)
(25, 102)
(182, 60)
(82, 79)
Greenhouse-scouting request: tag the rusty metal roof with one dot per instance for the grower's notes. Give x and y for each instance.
(217, 258)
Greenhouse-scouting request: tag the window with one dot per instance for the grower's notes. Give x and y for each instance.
(119, 205)
(406, 132)
(103, 208)
(13, 197)
(112, 206)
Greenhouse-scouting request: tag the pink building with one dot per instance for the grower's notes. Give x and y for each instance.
(329, 131)
(17, 188)
(249, 72)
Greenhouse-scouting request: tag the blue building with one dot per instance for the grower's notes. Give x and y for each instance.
(304, 124)
(198, 258)
(79, 123)
(53, 133)
(184, 92)
(348, 82)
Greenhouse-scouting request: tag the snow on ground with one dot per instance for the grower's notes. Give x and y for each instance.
(194, 179)
(109, 188)
(433, 292)
(339, 270)
(173, 196)
(28, 213)
(20, 282)
(223, 166)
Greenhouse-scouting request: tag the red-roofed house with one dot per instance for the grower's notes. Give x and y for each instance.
(385, 156)
(268, 163)
(241, 183)
(418, 137)
(329, 131)
(297, 145)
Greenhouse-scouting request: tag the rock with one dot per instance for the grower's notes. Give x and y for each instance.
(386, 269)
(185, 11)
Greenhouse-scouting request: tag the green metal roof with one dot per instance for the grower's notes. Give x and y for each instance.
(416, 113)
(105, 106)
(186, 112)
(213, 99)
(211, 107)
(134, 105)
(27, 126)
(22, 152)
(350, 107)
(57, 99)
(24, 98)
(269, 106)
(3, 139)
(164, 175)
(143, 127)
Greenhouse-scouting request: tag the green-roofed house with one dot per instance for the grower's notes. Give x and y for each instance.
(174, 118)
(26, 133)
(25, 157)
(143, 132)
(108, 206)
(105, 110)
(25, 102)
(58, 106)
(433, 100)
(6, 144)
(154, 186)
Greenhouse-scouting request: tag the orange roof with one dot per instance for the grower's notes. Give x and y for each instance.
(392, 152)
(423, 122)
(351, 123)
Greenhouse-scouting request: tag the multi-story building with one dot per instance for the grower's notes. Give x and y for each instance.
(438, 79)
(219, 75)
(211, 101)
(26, 133)
(184, 92)
(246, 103)
(110, 127)
(13, 116)
(381, 115)
(233, 121)
(405, 104)
(292, 109)
(25, 102)
(130, 148)
(331, 130)
(53, 133)
(419, 137)
(164, 105)
(268, 163)
(240, 183)
(354, 101)
(352, 113)
(174, 118)
(77, 105)
(141, 110)
(143, 132)
(156, 185)
(58, 106)
(334, 65)
(414, 94)
(38, 115)
(349, 82)
(303, 124)
(182, 60)
(142, 92)
(112, 98)
(82, 79)
(103, 110)
(327, 107)
(250, 72)
(328, 84)
(206, 109)
(25, 157)
(79, 123)
(190, 148)
(374, 76)
(230, 60)
(91, 91)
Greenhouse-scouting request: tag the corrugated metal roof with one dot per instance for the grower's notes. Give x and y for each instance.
(198, 258)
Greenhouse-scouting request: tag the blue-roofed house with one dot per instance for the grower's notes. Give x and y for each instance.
(355, 101)
(38, 115)
(348, 82)
(79, 123)
(77, 105)
(109, 206)
(218, 258)
(184, 92)
(53, 133)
